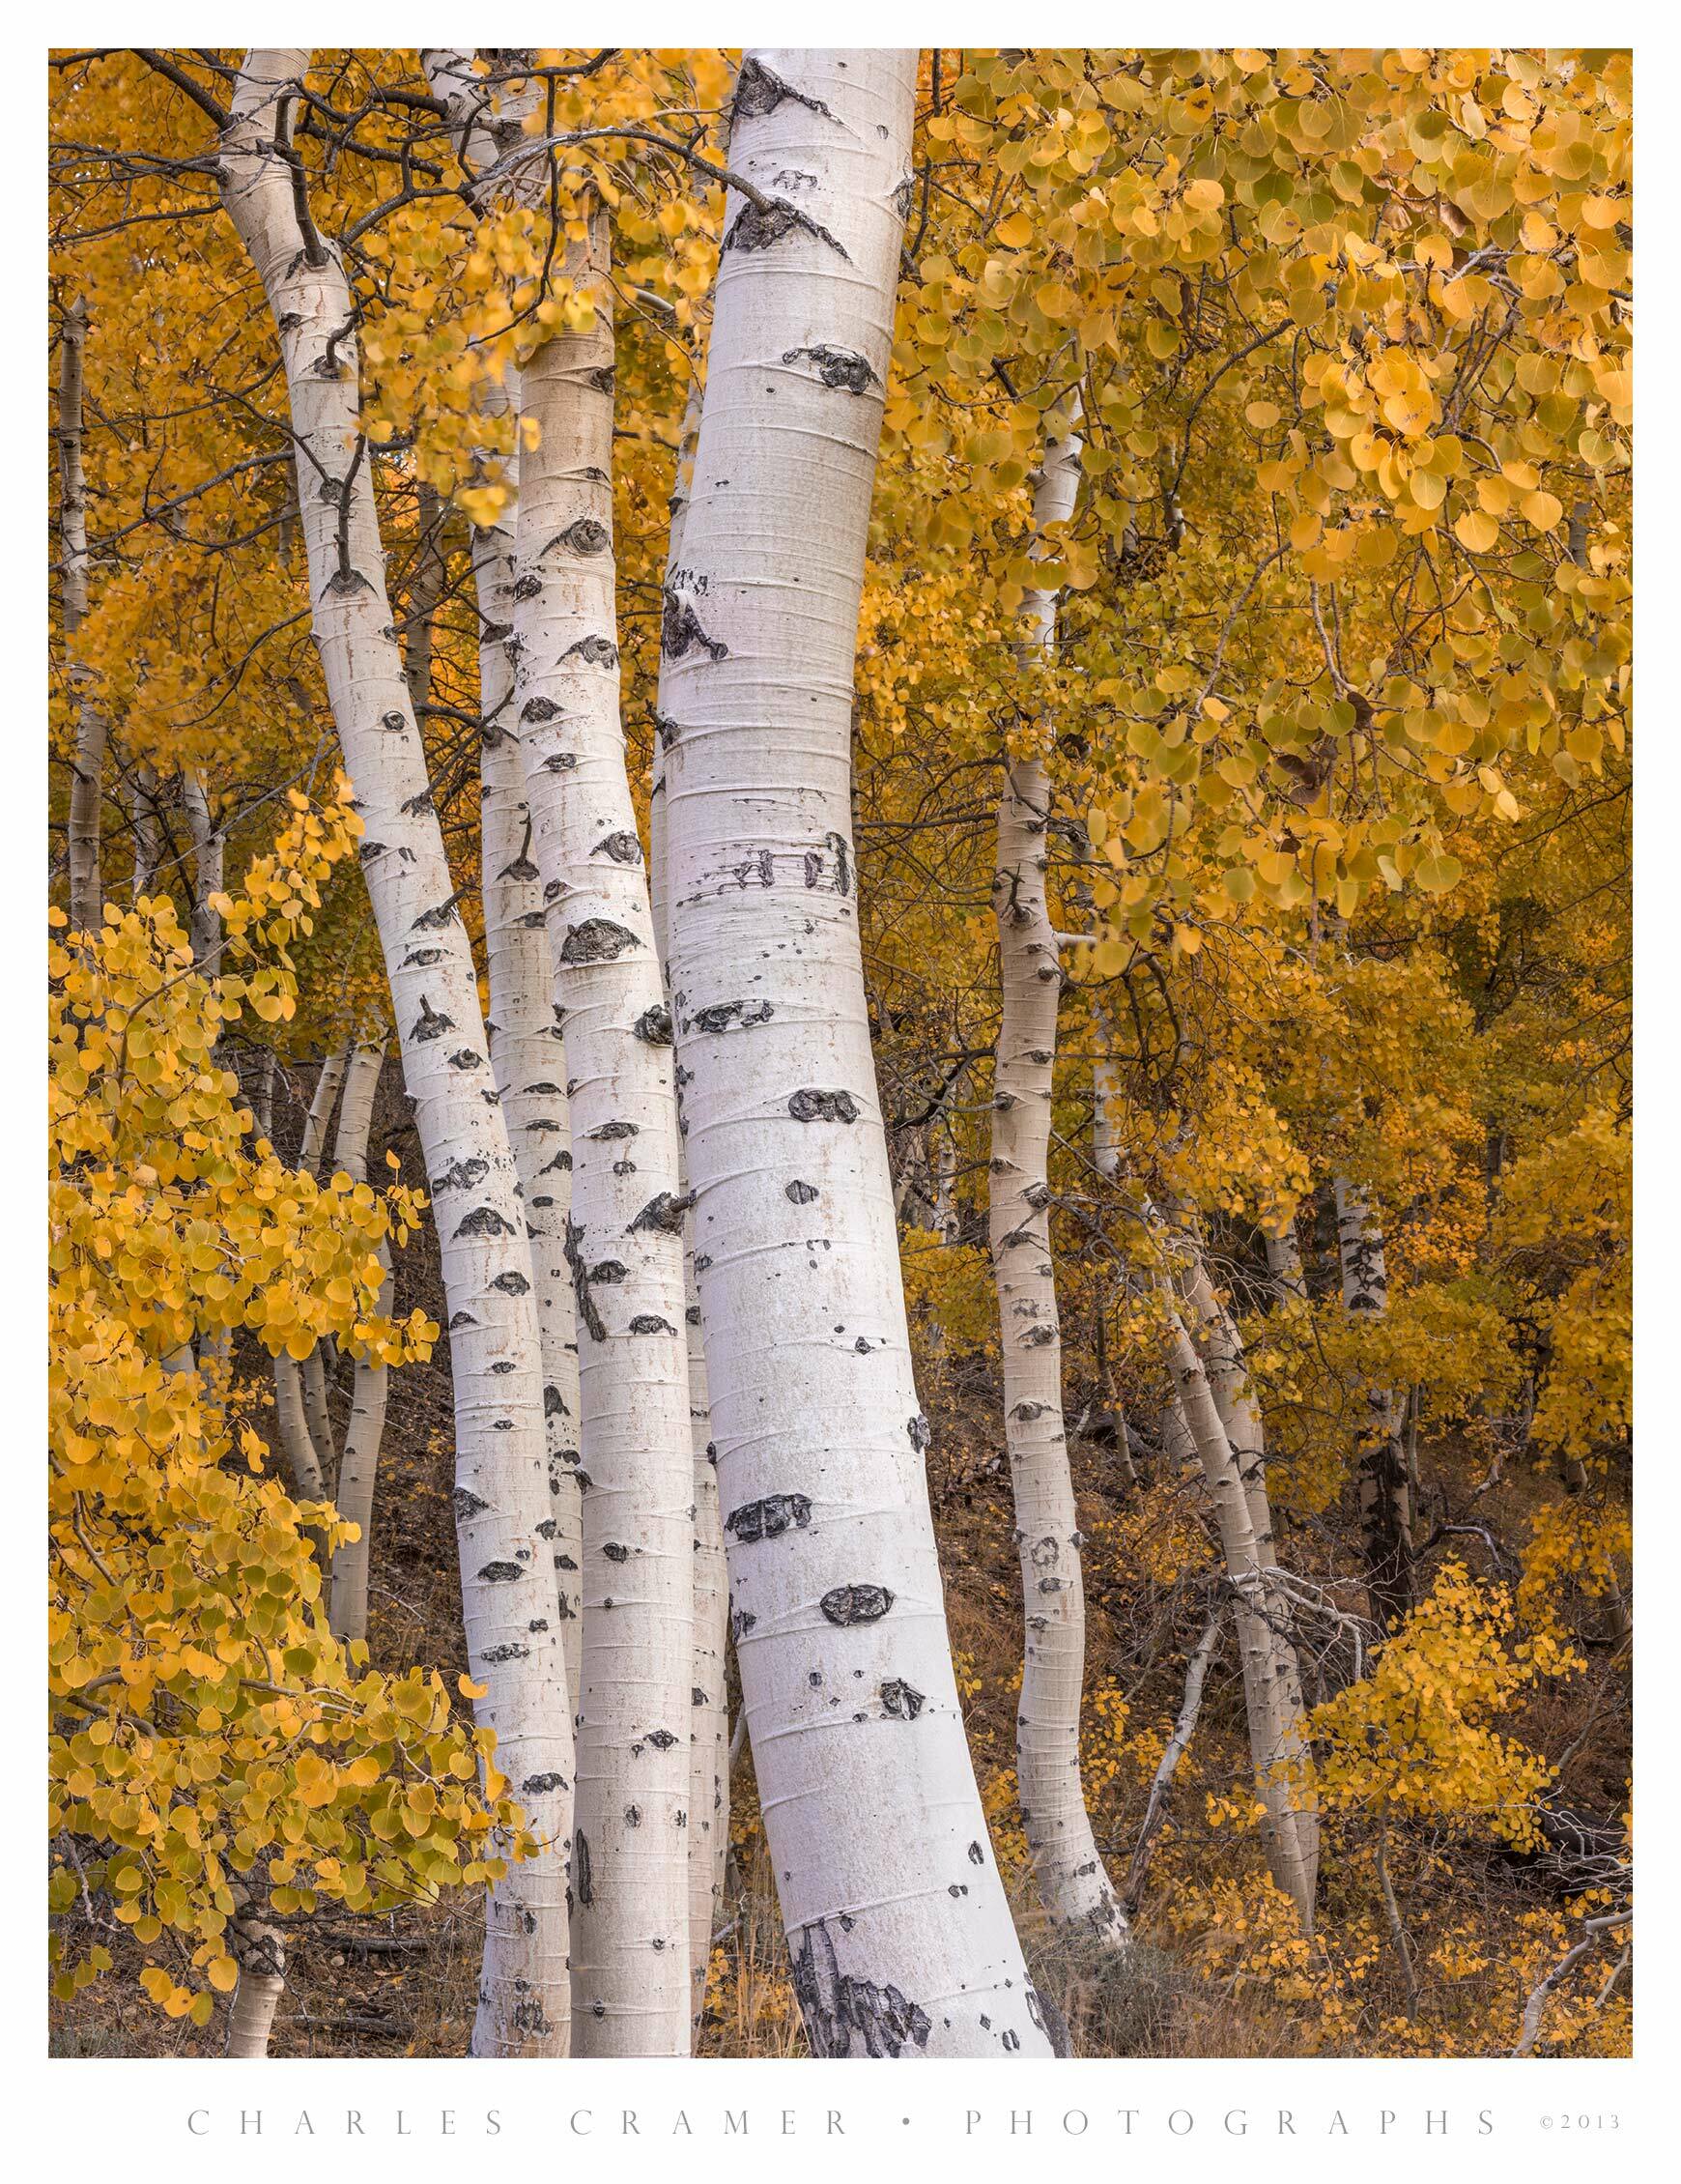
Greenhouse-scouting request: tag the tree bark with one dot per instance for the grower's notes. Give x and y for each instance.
(896, 1920)
(86, 888)
(501, 1496)
(260, 1952)
(624, 1233)
(208, 846)
(359, 1467)
(1073, 1884)
(709, 1721)
(1385, 1499)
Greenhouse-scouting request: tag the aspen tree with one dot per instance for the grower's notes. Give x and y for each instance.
(624, 1232)
(1385, 1499)
(1073, 1884)
(524, 1026)
(86, 888)
(208, 844)
(896, 1915)
(358, 1465)
(305, 1443)
(501, 1492)
(709, 1730)
(260, 1952)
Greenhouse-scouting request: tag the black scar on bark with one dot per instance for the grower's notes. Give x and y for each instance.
(976, 1855)
(692, 1315)
(422, 958)
(594, 651)
(367, 851)
(512, 1284)
(561, 1165)
(902, 1700)
(583, 1883)
(837, 367)
(462, 1176)
(654, 1025)
(847, 1604)
(919, 1432)
(1027, 1412)
(623, 849)
(667, 731)
(607, 1273)
(663, 1215)
(761, 226)
(760, 90)
(837, 846)
(560, 761)
(461, 1319)
(650, 1323)
(837, 2005)
(770, 1518)
(1036, 1338)
(485, 1220)
(809, 1105)
(584, 536)
(741, 1621)
(553, 1403)
(344, 583)
(538, 1785)
(661, 1739)
(615, 1552)
(431, 921)
(464, 1058)
(414, 806)
(597, 940)
(522, 867)
(513, 1651)
(605, 1132)
(539, 708)
(731, 1015)
(431, 1023)
(905, 196)
(466, 1503)
(500, 1573)
(581, 1278)
(680, 627)
(800, 1194)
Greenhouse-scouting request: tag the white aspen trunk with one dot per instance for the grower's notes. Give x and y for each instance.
(524, 1028)
(1073, 1884)
(146, 829)
(1266, 1703)
(359, 1467)
(501, 1493)
(1385, 1500)
(1221, 1349)
(313, 1152)
(86, 888)
(624, 1234)
(709, 1721)
(425, 590)
(896, 1915)
(260, 1952)
(208, 844)
(1284, 1264)
(305, 1444)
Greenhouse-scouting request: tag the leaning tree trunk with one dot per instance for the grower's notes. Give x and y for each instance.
(709, 1722)
(86, 889)
(624, 1234)
(501, 1493)
(1385, 1499)
(1274, 1725)
(1220, 1347)
(525, 1046)
(359, 1467)
(1073, 1884)
(897, 1919)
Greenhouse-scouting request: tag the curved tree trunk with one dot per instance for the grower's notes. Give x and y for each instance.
(86, 888)
(359, 1467)
(896, 1920)
(624, 1233)
(501, 1495)
(1385, 1496)
(1073, 1884)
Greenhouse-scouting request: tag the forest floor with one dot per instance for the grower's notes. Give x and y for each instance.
(405, 1984)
